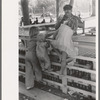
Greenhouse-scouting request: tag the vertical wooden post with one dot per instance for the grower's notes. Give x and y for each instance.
(24, 4)
(64, 83)
(71, 2)
(57, 8)
(93, 7)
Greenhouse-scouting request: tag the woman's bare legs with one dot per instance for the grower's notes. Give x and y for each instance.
(63, 62)
(57, 51)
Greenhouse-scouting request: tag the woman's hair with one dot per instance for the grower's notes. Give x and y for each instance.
(33, 32)
(67, 7)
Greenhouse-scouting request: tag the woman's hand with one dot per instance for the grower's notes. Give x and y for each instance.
(55, 34)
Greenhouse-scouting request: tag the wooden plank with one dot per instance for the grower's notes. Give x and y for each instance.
(20, 56)
(21, 64)
(24, 38)
(55, 83)
(74, 67)
(81, 69)
(85, 58)
(81, 66)
(54, 63)
(88, 39)
(82, 91)
(82, 80)
(84, 46)
(20, 72)
(37, 94)
(38, 25)
(22, 48)
(64, 86)
(54, 73)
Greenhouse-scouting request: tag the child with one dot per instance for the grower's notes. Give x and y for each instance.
(33, 69)
(63, 43)
(42, 54)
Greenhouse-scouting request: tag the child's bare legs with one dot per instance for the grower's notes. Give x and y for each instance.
(57, 51)
(41, 64)
(47, 63)
(63, 62)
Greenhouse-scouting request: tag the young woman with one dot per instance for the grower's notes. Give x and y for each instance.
(63, 44)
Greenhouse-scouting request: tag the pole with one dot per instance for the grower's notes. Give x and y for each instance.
(57, 8)
(71, 2)
(25, 11)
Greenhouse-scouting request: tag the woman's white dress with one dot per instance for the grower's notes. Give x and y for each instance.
(63, 41)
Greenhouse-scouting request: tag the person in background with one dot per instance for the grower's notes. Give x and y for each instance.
(51, 19)
(22, 21)
(68, 14)
(36, 21)
(43, 21)
(65, 28)
(30, 21)
(33, 69)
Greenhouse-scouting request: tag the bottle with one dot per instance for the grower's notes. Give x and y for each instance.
(23, 52)
(77, 61)
(72, 84)
(88, 66)
(83, 73)
(89, 88)
(69, 82)
(60, 81)
(88, 76)
(19, 51)
(24, 69)
(76, 73)
(83, 62)
(77, 85)
(50, 77)
(80, 74)
(68, 71)
(93, 89)
(57, 79)
(23, 61)
(80, 61)
(81, 86)
(93, 77)
(43, 75)
(84, 87)
(71, 72)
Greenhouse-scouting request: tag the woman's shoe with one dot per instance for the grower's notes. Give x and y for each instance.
(28, 88)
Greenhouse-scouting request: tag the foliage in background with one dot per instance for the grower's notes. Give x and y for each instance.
(40, 6)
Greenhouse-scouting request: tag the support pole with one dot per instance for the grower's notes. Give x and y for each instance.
(93, 7)
(24, 4)
(71, 2)
(57, 8)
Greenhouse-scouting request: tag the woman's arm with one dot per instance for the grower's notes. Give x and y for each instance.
(80, 23)
(54, 33)
(49, 34)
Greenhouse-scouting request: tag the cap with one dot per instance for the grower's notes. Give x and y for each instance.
(67, 7)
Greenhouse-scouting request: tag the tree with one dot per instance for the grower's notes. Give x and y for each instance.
(93, 7)
(46, 4)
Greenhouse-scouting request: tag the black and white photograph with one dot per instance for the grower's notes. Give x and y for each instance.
(57, 50)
